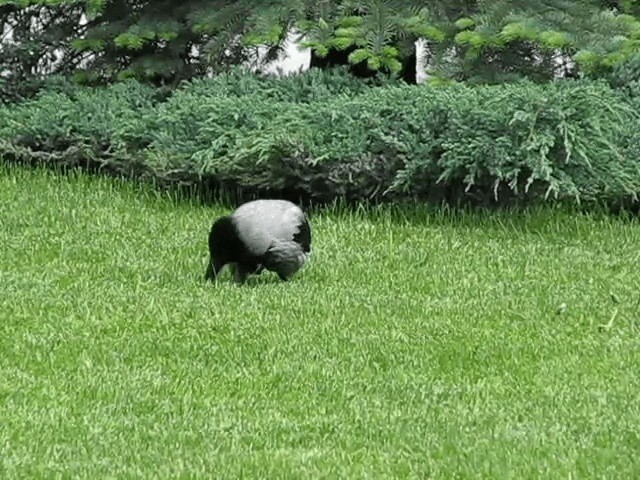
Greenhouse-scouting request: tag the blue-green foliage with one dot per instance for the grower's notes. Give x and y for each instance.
(326, 134)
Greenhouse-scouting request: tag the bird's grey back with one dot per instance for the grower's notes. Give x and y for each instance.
(262, 222)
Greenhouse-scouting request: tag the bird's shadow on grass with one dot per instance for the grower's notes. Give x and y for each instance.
(263, 279)
(253, 281)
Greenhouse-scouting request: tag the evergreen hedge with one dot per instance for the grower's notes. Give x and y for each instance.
(325, 135)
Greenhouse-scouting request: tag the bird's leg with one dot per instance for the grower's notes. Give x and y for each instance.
(240, 273)
(209, 274)
(212, 270)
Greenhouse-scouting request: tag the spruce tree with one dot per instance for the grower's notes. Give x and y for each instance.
(164, 42)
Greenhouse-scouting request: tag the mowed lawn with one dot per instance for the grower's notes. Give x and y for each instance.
(424, 345)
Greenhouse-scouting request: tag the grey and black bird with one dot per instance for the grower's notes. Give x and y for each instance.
(261, 234)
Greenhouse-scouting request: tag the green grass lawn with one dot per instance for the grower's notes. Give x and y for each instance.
(414, 345)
